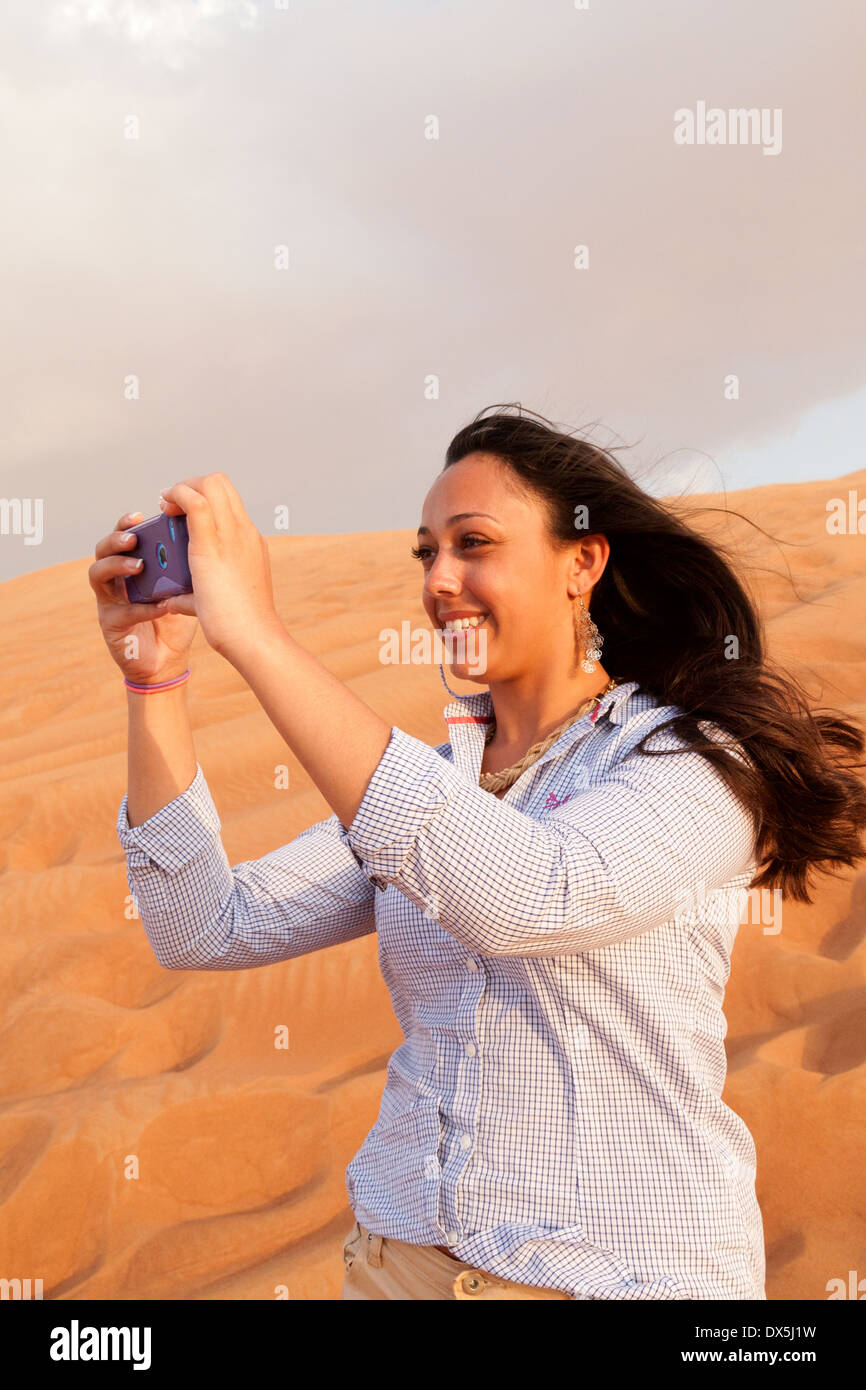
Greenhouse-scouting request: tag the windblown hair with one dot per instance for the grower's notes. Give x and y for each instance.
(668, 604)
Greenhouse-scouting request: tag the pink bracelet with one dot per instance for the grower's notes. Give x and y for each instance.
(161, 685)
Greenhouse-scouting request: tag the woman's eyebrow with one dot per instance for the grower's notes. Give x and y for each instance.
(460, 516)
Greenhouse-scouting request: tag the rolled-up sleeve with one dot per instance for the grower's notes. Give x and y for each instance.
(201, 914)
(612, 862)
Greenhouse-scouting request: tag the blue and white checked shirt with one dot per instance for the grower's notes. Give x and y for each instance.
(556, 960)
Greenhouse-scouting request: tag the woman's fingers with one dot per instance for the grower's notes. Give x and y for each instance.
(142, 613)
(223, 497)
(121, 539)
(168, 507)
(225, 489)
(103, 572)
(197, 506)
(181, 603)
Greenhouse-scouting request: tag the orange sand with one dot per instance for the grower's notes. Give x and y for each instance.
(241, 1148)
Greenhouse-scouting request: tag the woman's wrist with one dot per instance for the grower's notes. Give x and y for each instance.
(164, 681)
(247, 649)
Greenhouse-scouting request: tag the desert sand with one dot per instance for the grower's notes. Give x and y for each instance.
(108, 1061)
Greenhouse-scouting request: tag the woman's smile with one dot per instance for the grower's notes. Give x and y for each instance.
(455, 624)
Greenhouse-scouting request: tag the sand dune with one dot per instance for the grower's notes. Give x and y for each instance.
(106, 1058)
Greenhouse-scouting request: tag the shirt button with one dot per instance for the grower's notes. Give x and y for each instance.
(465, 1141)
(453, 1237)
(471, 964)
(431, 1166)
(470, 1049)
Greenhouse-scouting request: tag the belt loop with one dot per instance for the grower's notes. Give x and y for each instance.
(373, 1247)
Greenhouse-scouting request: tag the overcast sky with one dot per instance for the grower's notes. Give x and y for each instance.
(155, 156)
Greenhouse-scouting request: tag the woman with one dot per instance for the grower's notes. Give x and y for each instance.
(556, 889)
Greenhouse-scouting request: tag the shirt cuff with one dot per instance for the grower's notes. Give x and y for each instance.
(412, 783)
(176, 833)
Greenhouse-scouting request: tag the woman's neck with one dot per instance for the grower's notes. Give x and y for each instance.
(524, 717)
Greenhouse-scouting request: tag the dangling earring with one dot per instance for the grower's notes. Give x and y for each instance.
(447, 686)
(589, 638)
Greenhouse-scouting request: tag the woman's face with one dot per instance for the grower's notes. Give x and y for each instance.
(496, 559)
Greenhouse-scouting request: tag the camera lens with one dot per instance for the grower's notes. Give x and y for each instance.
(161, 555)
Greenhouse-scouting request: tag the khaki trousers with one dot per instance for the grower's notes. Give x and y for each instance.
(379, 1267)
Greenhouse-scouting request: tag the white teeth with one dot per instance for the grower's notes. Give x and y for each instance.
(455, 624)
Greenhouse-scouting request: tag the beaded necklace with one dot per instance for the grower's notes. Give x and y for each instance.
(500, 781)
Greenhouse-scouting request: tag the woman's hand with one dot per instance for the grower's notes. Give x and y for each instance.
(233, 595)
(148, 643)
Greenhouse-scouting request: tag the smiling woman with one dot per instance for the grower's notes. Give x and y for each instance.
(557, 952)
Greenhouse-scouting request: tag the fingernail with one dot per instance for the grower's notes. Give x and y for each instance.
(133, 515)
(127, 536)
(134, 564)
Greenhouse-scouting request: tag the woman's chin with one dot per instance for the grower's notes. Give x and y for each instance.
(467, 656)
(465, 672)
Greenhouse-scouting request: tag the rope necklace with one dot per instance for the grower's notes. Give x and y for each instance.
(500, 781)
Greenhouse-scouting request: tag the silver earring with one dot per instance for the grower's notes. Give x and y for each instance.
(447, 686)
(590, 639)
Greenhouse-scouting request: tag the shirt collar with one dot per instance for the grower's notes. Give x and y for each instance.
(477, 708)
(467, 717)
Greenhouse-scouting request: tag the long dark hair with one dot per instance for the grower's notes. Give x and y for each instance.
(668, 605)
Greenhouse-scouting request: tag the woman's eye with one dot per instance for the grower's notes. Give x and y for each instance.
(421, 552)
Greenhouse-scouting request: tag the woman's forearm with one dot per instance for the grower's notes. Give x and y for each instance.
(161, 761)
(336, 737)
